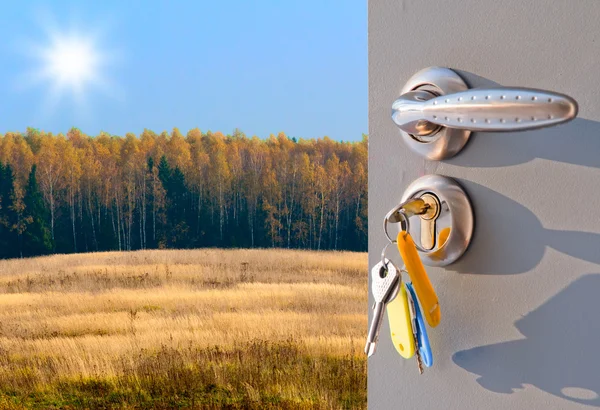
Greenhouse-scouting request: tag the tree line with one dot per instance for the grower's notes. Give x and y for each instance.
(79, 193)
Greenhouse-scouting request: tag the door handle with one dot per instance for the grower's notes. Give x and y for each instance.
(437, 111)
(495, 109)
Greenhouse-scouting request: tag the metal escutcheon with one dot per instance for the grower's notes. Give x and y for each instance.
(455, 213)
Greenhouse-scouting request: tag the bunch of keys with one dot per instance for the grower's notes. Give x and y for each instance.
(401, 300)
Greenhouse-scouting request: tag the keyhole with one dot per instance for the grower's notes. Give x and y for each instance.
(428, 221)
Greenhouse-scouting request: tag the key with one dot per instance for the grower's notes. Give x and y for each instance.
(419, 278)
(385, 281)
(398, 313)
(423, 345)
(415, 331)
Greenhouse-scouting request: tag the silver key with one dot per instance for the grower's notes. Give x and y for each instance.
(413, 322)
(385, 283)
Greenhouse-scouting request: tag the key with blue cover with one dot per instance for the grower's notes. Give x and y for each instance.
(423, 348)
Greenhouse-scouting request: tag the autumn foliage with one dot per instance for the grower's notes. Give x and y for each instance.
(79, 193)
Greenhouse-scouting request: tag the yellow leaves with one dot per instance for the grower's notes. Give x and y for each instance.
(15, 150)
(178, 151)
(18, 206)
(194, 136)
(49, 162)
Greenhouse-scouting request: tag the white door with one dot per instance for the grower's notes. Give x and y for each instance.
(520, 323)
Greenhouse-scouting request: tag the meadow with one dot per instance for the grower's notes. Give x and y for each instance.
(207, 328)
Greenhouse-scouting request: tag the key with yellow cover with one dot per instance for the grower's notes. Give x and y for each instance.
(420, 280)
(400, 326)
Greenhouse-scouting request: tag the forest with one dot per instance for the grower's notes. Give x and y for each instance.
(79, 193)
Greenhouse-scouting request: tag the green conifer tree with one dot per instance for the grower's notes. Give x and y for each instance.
(37, 238)
(9, 241)
(173, 181)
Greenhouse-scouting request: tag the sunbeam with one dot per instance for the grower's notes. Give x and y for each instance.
(71, 64)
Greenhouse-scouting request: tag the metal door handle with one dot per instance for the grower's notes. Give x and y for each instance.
(439, 99)
(495, 109)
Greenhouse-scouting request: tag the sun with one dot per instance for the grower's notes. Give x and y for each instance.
(71, 63)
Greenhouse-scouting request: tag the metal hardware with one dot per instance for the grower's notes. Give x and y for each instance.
(383, 258)
(441, 203)
(437, 111)
(385, 279)
(428, 221)
(401, 213)
(427, 207)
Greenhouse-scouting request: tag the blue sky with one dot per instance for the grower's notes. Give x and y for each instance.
(263, 66)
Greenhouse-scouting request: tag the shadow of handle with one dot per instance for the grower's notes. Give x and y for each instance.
(557, 352)
(580, 245)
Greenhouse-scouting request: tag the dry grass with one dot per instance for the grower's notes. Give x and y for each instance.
(184, 329)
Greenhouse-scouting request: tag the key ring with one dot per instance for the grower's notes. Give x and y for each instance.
(383, 258)
(404, 224)
(398, 214)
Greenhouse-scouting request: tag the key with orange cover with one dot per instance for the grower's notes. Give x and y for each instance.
(420, 280)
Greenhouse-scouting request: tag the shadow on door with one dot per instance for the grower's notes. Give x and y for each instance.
(577, 142)
(559, 353)
(518, 234)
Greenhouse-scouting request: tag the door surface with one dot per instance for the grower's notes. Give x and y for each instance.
(520, 321)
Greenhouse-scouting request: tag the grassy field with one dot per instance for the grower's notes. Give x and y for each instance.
(184, 329)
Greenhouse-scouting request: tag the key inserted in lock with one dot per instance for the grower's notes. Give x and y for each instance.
(427, 207)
